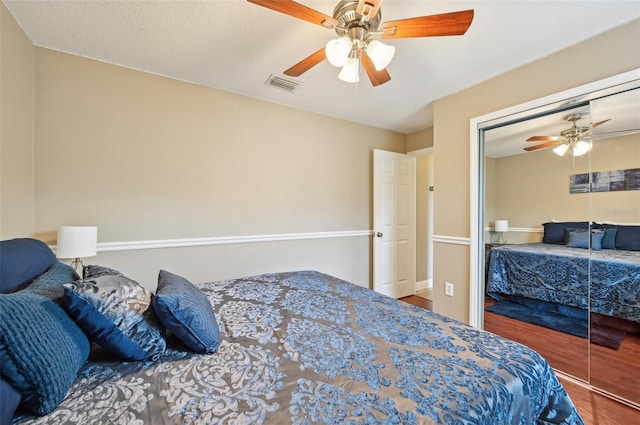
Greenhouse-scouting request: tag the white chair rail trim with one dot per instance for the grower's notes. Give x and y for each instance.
(454, 240)
(225, 240)
(518, 229)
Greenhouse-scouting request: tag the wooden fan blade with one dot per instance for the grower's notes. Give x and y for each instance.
(600, 123)
(376, 77)
(368, 7)
(542, 145)
(454, 23)
(542, 138)
(291, 8)
(306, 64)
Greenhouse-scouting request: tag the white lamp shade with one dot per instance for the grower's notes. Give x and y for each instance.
(380, 54)
(349, 71)
(337, 51)
(77, 241)
(502, 225)
(581, 147)
(561, 149)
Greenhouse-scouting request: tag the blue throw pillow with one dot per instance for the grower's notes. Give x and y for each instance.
(609, 240)
(579, 238)
(41, 349)
(49, 284)
(115, 312)
(21, 261)
(185, 311)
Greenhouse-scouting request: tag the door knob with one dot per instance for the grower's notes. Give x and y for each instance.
(379, 235)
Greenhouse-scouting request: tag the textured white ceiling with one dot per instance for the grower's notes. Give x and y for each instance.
(235, 46)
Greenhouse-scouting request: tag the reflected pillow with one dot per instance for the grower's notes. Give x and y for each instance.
(579, 238)
(185, 311)
(628, 236)
(114, 311)
(556, 232)
(609, 239)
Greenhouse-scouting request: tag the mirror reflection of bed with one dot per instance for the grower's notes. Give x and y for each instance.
(548, 286)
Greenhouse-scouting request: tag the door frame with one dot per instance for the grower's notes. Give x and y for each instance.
(430, 208)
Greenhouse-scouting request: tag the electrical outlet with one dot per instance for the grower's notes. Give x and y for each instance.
(448, 289)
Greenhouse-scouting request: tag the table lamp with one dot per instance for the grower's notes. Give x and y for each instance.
(501, 227)
(77, 242)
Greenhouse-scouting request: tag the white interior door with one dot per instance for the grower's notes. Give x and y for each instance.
(394, 211)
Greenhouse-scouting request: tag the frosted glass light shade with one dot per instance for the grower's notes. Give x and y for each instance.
(561, 149)
(502, 225)
(77, 241)
(349, 71)
(380, 54)
(581, 147)
(337, 51)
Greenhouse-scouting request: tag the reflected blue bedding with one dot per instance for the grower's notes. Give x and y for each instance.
(568, 276)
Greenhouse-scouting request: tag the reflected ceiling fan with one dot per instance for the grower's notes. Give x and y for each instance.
(571, 138)
(358, 24)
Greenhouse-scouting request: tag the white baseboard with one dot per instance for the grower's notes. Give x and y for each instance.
(424, 285)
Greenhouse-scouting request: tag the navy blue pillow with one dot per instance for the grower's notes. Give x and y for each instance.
(116, 313)
(9, 400)
(556, 232)
(628, 238)
(21, 261)
(41, 349)
(185, 311)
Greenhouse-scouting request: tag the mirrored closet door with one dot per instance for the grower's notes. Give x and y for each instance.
(614, 198)
(560, 209)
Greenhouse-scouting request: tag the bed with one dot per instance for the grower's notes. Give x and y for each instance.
(563, 272)
(294, 347)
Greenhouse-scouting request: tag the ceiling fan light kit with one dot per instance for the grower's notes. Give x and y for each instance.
(572, 138)
(357, 24)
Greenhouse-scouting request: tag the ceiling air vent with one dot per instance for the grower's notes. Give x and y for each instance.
(282, 83)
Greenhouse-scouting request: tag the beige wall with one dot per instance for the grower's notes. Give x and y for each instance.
(148, 158)
(16, 129)
(420, 140)
(569, 68)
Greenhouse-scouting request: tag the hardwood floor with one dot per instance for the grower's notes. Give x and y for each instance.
(419, 301)
(617, 371)
(567, 354)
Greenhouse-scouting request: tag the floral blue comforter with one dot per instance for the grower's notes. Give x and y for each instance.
(305, 347)
(568, 276)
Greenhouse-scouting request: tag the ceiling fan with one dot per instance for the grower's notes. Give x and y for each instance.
(571, 138)
(358, 23)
